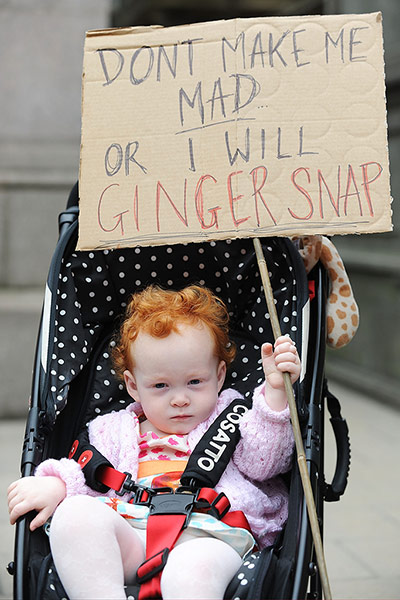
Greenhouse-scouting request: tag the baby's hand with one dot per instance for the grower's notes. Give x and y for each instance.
(42, 494)
(283, 358)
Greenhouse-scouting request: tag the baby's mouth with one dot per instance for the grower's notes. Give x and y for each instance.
(181, 417)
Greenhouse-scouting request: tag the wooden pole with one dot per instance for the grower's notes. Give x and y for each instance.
(301, 458)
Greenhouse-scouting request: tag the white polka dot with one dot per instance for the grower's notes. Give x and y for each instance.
(121, 274)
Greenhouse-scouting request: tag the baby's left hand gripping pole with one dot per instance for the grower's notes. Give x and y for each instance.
(301, 458)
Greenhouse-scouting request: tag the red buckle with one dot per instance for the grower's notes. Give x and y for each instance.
(216, 504)
(221, 505)
(152, 566)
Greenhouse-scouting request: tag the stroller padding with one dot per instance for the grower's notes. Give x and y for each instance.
(94, 288)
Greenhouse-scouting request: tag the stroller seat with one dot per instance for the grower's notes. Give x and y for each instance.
(74, 381)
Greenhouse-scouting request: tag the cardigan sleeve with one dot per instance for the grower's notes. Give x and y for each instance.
(266, 446)
(70, 472)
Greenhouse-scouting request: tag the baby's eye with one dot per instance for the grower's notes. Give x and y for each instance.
(194, 381)
(159, 386)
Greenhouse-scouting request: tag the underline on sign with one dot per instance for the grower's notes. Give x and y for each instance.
(213, 124)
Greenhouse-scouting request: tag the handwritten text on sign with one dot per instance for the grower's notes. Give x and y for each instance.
(233, 129)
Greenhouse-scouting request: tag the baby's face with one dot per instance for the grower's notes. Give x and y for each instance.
(176, 379)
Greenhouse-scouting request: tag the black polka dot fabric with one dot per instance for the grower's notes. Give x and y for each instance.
(94, 288)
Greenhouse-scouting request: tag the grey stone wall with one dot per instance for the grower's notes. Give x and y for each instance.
(41, 52)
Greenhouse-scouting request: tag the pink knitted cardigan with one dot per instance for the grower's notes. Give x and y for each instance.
(250, 481)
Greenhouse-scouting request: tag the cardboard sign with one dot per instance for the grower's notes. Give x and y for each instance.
(240, 128)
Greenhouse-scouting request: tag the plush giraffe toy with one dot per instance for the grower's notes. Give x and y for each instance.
(342, 309)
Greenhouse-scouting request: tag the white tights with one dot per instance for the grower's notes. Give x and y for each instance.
(95, 551)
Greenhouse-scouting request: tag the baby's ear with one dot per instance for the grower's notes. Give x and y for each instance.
(221, 373)
(130, 384)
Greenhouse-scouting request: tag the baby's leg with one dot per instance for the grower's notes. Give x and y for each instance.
(94, 549)
(199, 568)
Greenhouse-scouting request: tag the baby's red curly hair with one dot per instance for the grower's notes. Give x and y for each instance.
(159, 312)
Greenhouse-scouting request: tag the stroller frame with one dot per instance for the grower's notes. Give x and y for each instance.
(294, 569)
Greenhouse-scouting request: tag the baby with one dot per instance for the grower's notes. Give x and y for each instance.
(173, 352)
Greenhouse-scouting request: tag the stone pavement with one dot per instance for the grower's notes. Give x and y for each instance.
(361, 532)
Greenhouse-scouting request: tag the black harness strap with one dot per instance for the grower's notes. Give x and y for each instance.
(90, 460)
(213, 452)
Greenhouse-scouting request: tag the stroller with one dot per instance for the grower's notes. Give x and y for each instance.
(73, 380)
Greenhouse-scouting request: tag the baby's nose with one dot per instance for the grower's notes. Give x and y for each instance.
(180, 399)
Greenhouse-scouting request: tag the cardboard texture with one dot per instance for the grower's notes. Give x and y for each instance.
(240, 128)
